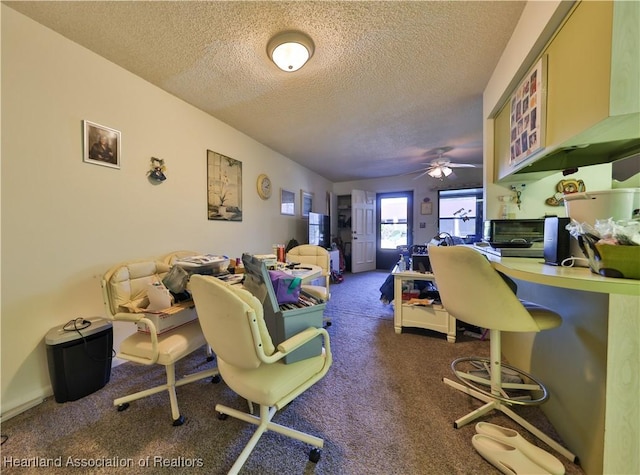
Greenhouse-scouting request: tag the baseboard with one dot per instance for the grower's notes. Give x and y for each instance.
(47, 392)
(21, 408)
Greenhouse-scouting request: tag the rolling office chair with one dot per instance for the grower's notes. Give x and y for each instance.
(473, 291)
(318, 256)
(124, 290)
(233, 323)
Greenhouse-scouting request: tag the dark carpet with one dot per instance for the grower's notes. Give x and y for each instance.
(381, 409)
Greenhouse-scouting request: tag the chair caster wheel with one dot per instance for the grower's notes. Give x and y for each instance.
(314, 455)
(222, 416)
(179, 421)
(216, 379)
(123, 407)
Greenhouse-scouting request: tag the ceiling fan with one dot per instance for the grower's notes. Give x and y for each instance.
(441, 167)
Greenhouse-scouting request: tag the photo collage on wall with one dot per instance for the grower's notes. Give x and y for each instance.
(528, 106)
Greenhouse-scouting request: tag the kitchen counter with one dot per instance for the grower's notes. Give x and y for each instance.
(591, 363)
(576, 278)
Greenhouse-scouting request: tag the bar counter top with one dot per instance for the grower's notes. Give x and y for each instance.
(575, 278)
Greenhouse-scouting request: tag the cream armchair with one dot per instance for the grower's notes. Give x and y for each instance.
(124, 289)
(233, 323)
(318, 256)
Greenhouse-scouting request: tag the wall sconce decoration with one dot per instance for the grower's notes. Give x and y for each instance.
(156, 174)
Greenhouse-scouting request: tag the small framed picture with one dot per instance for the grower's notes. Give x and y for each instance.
(101, 145)
(287, 202)
(306, 203)
(426, 207)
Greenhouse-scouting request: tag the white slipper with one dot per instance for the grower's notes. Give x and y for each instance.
(511, 437)
(505, 457)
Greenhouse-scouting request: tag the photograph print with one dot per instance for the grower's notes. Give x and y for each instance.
(101, 145)
(528, 114)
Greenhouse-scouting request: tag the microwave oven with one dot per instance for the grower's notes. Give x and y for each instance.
(513, 231)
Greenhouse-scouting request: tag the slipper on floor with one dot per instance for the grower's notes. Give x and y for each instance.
(506, 458)
(511, 437)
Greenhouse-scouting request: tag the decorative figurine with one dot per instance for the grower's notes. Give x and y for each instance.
(156, 174)
(565, 187)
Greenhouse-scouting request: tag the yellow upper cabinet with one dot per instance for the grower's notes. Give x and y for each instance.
(579, 65)
(593, 84)
(625, 60)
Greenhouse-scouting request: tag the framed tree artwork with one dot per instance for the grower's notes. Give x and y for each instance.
(224, 188)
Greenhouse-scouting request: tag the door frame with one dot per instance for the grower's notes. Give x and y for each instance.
(387, 258)
(363, 232)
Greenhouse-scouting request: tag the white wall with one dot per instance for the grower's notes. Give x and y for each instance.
(64, 222)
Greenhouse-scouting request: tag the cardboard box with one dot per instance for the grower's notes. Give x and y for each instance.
(170, 318)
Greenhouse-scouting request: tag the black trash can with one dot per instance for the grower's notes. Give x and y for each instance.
(79, 356)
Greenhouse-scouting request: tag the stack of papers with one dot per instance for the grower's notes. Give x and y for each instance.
(205, 259)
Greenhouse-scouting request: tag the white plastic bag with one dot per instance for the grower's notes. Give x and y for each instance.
(159, 297)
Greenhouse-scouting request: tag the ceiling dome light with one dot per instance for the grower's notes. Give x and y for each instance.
(290, 50)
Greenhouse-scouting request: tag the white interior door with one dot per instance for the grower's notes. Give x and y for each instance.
(363, 228)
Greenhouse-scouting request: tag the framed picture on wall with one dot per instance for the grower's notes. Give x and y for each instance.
(426, 207)
(287, 202)
(306, 203)
(224, 188)
(101, 145)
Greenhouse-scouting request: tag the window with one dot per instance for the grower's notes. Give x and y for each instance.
(393, 222)
(460, 213)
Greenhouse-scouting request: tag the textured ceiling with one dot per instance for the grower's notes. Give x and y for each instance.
(388, 83)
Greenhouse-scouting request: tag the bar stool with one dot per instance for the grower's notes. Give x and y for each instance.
(474, 292)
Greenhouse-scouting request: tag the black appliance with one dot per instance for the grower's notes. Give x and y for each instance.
(320, 230)
(513, 237)
(421, 263)
(557, 240)
(79, 357)
(513, 232)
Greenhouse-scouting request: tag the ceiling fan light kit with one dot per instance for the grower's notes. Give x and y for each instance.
(440, 172)
(290, 50)
(441, 167)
